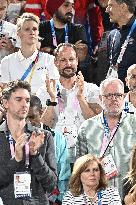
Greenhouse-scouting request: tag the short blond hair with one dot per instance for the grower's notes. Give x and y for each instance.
(26, 17)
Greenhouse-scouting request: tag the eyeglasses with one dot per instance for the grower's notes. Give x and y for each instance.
(109, 96)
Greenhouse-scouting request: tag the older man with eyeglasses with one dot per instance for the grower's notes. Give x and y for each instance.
(110, 134)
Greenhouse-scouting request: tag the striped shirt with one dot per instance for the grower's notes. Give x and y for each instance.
(109, 196)
(90, 139)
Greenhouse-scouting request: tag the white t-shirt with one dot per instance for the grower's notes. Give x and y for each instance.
(68, 111)
(14, 66)
(9, 30)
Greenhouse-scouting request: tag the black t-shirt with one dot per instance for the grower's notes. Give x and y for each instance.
(76, 32)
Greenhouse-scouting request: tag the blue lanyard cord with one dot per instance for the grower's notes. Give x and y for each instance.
(126, 41)
(107, 132)
(58, 90)
(54, 34)
(99, 195)
(99, 198)
(126, 107)
(132, 29)
(12, 149)
(28, 70)
(1, 26)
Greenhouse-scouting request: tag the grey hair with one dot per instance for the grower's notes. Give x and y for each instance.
(130, 3)
(107, 81)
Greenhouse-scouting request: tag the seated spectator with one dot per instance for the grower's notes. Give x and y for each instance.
(28, 63)
(88, 184)
(110, 134)
(60, 29)
(88, 13)
(61, 149)
(8, 40)
(72, 100)
(129, 183)
(130, 99)
(26, 152)
(14, 10)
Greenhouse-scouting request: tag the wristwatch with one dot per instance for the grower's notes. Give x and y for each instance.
(50, 103)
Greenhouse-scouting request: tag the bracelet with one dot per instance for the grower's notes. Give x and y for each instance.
(49, 103)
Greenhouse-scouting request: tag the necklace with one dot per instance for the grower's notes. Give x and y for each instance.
(92, 197)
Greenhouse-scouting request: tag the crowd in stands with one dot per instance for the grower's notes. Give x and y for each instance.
(67, 102)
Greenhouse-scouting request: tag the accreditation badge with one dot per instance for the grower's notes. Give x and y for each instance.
(109, 166)
(22, 181)
(70, 133)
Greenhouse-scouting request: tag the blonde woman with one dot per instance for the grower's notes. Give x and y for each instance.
(28, 63)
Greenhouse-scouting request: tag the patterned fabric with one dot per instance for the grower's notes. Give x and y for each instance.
(90, 138)
(110, 196)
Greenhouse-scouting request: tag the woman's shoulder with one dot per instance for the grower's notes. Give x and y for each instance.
(111, 195)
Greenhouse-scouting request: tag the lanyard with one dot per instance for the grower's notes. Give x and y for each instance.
(54, 34)
(30, 69)
(99, 198)
(1, 26)
(124, 46)
(108, 136)
(126, 106)
(12, 149)
(75, 102)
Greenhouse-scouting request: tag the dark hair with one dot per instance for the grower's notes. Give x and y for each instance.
(35, 102)
(57, 50)
(130, 3)
(80, 166)
(13, 86)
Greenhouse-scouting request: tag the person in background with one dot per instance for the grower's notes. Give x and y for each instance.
(110, 134)
(15, 10)
(129, 182)
(72, 100)
(88, 14)
(121, 46)
(101, 68)
(8, 39)
(28, 63)
(26, 151)
(37, 7)
(61, 150)
(130, 99)
(60, 29)
(88, 184)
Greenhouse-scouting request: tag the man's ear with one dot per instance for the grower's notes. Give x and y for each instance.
(55, 62)
(126, 80)
(100, 97)
(5, 103)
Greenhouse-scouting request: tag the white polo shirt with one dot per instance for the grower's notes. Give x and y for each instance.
(14, 66)
(9, 30)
